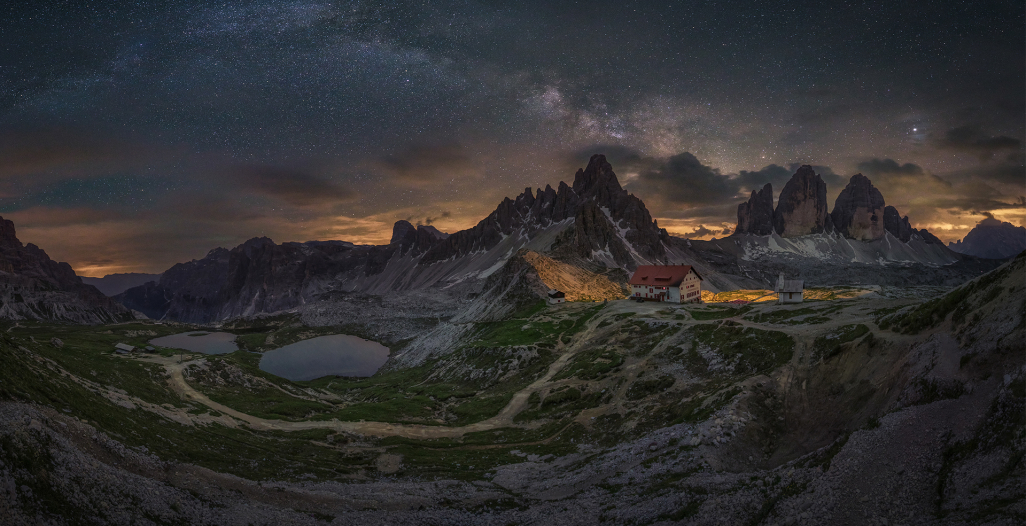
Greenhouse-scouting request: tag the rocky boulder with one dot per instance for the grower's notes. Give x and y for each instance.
(756, 215)
(802, 207)
(898, 226)
(859, 210)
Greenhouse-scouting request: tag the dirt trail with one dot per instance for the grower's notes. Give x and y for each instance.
(503, 419)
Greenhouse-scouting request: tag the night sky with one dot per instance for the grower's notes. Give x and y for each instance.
(135, 136)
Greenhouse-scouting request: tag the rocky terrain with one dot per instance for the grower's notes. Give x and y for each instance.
(992, 239)
(34, 287)
(868, 410)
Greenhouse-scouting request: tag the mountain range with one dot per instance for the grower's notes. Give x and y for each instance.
(859, 211)
(593, 225)
(114, 284)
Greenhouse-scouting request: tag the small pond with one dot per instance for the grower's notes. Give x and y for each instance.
(199, 341)
(334, 355)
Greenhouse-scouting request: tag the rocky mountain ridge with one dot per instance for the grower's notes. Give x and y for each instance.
(595, 220)
(992, 239)
(35, 287)
(593, 225)
(859, 211)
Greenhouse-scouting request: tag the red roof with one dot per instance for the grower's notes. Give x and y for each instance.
(661, 275)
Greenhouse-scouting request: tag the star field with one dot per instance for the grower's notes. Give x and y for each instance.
(134, 136)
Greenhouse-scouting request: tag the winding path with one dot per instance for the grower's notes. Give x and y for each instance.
(503, 419)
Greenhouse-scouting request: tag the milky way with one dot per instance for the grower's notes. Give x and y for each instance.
(133, 137)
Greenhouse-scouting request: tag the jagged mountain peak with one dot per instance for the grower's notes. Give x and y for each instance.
(8, 236)
(802, 207)
(756, 215)
(859, 210)
(400, 230)
(597, 179)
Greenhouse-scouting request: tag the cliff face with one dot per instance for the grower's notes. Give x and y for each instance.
(33, 286)
(756, 215)
(802, 208)
(898, 226)
(859, 210)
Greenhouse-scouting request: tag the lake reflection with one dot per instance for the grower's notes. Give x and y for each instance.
(337, 354)
(200, 341)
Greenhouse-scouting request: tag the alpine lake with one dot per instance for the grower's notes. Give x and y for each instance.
(330, 355)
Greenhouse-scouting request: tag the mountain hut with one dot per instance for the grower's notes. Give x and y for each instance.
(789, 290)
(556, 296)
(669, 283)
(123, 348)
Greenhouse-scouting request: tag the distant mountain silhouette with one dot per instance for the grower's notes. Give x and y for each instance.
(992, 239)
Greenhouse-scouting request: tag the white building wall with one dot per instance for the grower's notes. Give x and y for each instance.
(672, 294)
(790, 297)
(691, 288)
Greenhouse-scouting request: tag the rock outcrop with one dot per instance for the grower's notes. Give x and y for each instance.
(898, 226)
(188, 292)
(992, 239)
(802, 207)
(532, 211)
(35, 287)
(859, 210)
(403, 231)
(756, 215)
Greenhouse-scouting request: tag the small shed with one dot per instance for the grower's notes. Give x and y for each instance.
(790, 290)
(123, 348)
(556, 296)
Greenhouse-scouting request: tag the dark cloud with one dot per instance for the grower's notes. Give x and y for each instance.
(683, 180)
(890, 169)
(773, 174)
(701, 231)
(53, 153)
(291, 186)
(428, 220)
(832, 179)
(889, 166)
(429, 106)
(1009, 174)
(972, 138)
(428, 163)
